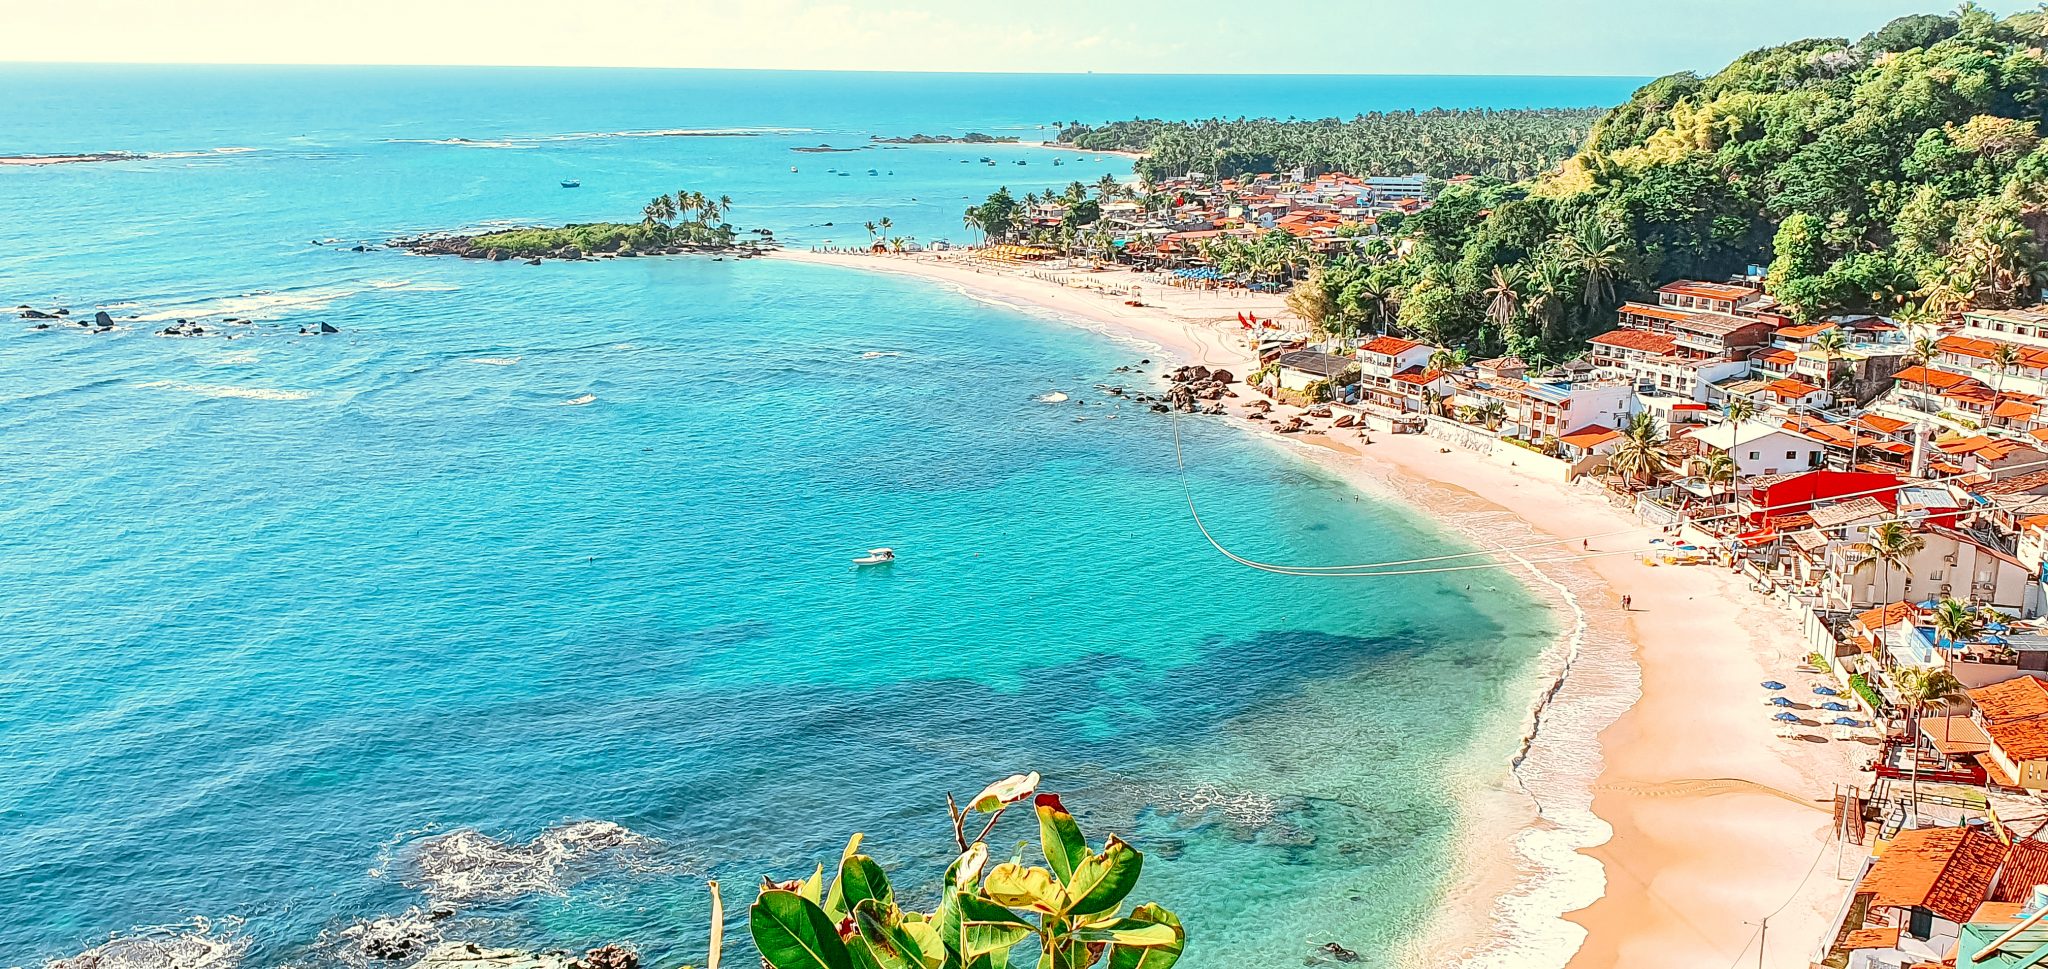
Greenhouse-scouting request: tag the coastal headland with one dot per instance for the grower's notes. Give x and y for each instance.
(1715, 822)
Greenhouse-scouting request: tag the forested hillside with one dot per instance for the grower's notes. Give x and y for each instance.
(1903, 173)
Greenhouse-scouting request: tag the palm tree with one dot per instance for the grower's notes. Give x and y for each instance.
(886, 225)
(1549, 287)
(1503, 296)
(1922, 688)
(1492, 413)
(1739, 409)
(1107, 188)
(2006, 357)
(1595, 250)
(1718, 470)
(1956, 623)
(1830, 342)
(870, 226)
(1892, 544)
(1922, 352)
(1642, 452)
(1310, 300)
(660, 210)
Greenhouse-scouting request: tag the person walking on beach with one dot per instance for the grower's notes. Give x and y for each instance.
(1625, 602)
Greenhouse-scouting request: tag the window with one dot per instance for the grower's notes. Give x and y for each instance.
(1753, 455)
(1920, 922)
(1791, 454)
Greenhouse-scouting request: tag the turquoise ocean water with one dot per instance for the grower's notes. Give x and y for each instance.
(299, 632)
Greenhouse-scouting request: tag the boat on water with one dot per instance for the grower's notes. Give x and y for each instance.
(792, 168)
(877, 556)
(571, 183)
(872, 172)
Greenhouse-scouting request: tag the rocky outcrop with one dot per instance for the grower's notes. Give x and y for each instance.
(182, 328)
(469, 955)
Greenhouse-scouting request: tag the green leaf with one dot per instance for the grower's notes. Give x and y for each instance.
(1131, 932)
(883, 929)
(926, 936)
(1059, 837)
(835, 900)
(1101, 882)
(966, 869)
(1009, 790)
(813, 887)
(1016, 886)
(792, 932)
(860, 879)
(1150, 957)
(987, 928)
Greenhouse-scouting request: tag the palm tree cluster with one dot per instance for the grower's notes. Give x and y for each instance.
(692, 208)
(1503, 144)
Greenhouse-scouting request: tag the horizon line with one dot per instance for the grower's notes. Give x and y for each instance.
(5, 63)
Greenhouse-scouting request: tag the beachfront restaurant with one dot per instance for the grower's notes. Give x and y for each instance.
(1300, 368)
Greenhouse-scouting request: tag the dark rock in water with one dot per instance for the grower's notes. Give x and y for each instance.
(40, 326)
(1221, 376)
(1338, 952)
(359, 249)
(103, 319)
(611, 957)
(36, 315)
(1159, 408)
(182, 328)
(497, 255)
(325, 328)
(535, 261)
(63, 312)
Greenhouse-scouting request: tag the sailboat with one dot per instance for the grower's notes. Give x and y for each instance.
(877, 556)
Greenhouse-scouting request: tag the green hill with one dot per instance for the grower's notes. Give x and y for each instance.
(1902, 173)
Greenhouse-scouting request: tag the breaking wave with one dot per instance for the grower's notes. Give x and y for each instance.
(494, 361)
(467, 865)
(386, 939)
(535, 141)
(579, 401)
(198, 944)
(224, 390)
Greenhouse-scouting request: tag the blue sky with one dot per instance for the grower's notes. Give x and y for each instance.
(1627, 37)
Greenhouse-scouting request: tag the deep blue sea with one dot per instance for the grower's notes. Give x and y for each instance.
(298, 632)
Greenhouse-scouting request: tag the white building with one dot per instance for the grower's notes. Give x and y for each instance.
(1762, 448)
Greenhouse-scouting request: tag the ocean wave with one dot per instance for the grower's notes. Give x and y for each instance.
(494, 361)
(467, 865)
(386, 939)
(879, 354)
(579, 401)
(78, 158)
(224, 390)
(198, 944)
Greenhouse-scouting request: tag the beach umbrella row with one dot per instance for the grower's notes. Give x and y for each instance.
(1787, 717)
(1772, 685)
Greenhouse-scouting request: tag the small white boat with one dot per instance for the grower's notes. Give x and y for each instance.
(571, 183)
(877, 556)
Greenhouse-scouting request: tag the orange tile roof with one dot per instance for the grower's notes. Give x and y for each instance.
(1779, 358)
(1956, 444)
(1881, 423)
(1417, 375)
(2021, 740)
(1643, 340)
(2014, 408)
(1921, 376)
(1884, 617)
(2034, 521)
(1871, 939)
(2026, 865)
(1655, 312)
(1948, 870)
(1590, 436)
(2014, 699)
(1802, 332)
(1790, 388)
(1389, 345)
(1976, 349)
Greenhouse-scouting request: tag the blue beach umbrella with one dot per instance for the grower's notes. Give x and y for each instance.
(1826, 691)
(1778, 701)
(1773, 685)
(1848, 722)
(1787, 717)
(1931, 604)
(1833, 707)
(1992, 640)
(1997, 627)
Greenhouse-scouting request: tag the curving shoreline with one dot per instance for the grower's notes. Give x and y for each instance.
(1684, 865)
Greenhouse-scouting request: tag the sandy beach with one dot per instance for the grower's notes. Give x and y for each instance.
(1712, 822)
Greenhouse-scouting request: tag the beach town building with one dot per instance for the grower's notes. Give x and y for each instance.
(2014, 718)
(1396, 374)
(1945, 896)
(1300, 368)
(1759, 448)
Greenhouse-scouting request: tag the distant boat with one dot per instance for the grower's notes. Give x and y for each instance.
(877, 556)
(873, 172)
(792, 168)
(571, 183)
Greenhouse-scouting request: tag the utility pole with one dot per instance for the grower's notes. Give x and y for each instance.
(1763, 932)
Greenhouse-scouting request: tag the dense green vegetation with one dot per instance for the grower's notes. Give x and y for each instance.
(1902, 173)
(1504, 144)
(685, 219)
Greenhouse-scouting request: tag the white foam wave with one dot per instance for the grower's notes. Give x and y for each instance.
(1052, 398)
(198, 944)
(224, 390)
(879, 354)
(386, 939)
(208, 153)
(467, 865)
(494, 361)
(579, 401)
